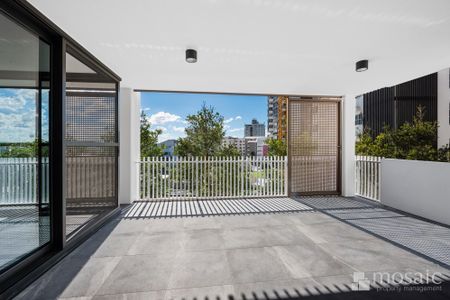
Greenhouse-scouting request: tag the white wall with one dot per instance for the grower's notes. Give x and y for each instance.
(129, 113)
(418, 187)
(443, 107)
(348, 145)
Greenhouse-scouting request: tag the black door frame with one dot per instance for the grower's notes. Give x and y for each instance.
(19, 275)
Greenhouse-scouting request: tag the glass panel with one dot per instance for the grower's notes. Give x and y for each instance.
(24, 94)
(91, 139)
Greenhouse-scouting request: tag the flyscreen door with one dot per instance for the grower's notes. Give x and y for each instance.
(314, 145)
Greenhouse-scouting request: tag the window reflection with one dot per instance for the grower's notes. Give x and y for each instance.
(24, 137)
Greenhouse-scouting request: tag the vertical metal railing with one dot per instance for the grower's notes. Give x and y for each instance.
(368, 177)
(212, 177)
(18, 180)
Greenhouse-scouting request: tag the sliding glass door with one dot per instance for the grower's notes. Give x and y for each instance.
(24, 142)
(59, 144)
(91, 138)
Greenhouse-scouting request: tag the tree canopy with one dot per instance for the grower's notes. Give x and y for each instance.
(149, 139)
(204, 135)
(415, 141)
(277, 147)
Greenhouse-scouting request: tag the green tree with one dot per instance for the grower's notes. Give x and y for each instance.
(22, 150)
(204, 134)
(415, 141)
(229, 150)
(149, 139)
(277, 147)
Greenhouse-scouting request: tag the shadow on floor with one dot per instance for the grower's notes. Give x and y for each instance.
(216, 207)
(396, 291)
(52, 283)
(419, 236)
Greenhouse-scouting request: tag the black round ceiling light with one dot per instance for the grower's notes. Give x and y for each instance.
(362, 65)
(191, 56)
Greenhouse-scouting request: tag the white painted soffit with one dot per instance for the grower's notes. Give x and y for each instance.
(260, 46)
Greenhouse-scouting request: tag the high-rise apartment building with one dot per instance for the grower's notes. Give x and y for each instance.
(277, 116)
(272, 116)
(254, 129)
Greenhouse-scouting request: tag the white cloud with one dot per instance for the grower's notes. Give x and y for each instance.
(170, 135)
(163, 118)
(162, 128)
(238, 118)
(235, 129)
(178, 129)
(228, 120)
(16, 99)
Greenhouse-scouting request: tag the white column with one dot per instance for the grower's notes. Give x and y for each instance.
(129, 126)
(443, 108)
(348, 145)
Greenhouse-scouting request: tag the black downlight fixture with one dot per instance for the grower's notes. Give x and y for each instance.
(191, 56)
(362, 65)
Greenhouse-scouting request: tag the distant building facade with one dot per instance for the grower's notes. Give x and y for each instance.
(256, 146)
(169, 147)
(239, 143)
(248, 146)
(254, 129)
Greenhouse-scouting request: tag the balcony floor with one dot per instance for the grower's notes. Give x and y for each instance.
(282, 248)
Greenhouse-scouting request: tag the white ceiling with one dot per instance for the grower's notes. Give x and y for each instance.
(260, 46)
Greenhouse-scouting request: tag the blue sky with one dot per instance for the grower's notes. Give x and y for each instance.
(168, 111)
(17, 115)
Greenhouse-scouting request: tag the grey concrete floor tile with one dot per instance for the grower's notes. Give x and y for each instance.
(95, 242)
(308, 260)
(375, 256)
(196, 223)
(335, 232)
(53, 283)
(334, 284)
(92, 275)
(76, 298)
(278, 289)
(164, 225)
(116, 245)
(202, 268)
(131, 226)
(211, 292)
(244, 238)
(284, 235)
(194, 256)
(256, 264)
(139, 273)
(250, 221)
(157, 243)
(155, 295)
(310, 218)
(203, 239)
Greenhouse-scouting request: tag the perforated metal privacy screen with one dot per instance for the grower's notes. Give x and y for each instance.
(91, 117)
(313, 143)
(91, 156)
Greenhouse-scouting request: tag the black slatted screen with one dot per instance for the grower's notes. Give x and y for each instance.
(393, 106)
